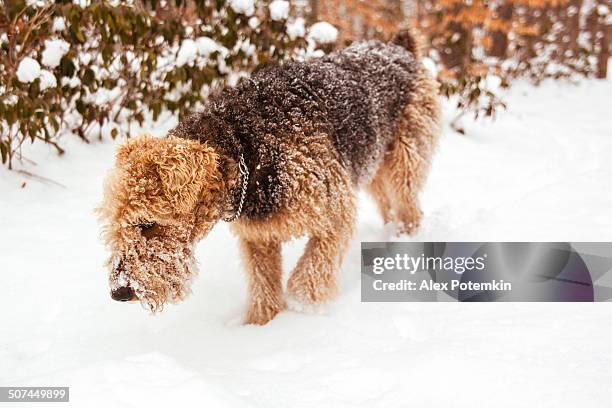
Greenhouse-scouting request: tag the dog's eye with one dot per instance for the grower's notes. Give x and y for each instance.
(146, 227)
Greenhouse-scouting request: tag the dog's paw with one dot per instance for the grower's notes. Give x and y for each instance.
(409, 223)
(306, 307)
(261, 313)
(312, 288)
(407, 227)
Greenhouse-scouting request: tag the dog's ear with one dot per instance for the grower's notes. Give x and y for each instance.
(183, 171)
(186, 168)
(134, 149)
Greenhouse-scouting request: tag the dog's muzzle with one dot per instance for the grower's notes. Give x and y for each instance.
(123, 294)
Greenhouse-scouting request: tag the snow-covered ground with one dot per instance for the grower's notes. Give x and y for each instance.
(542, 171)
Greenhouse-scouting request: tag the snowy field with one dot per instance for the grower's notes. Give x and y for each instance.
(542, 171)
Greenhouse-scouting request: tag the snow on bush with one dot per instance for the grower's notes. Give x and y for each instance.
(297, 28)
(323, 33)
(246, 7)
(47, 80)
(207, 46)
(28, 70)
(279, 10)
(54, 51)
(59, 24)
(35, 3)
(431, 66)
(253, 22)
(187, 54)
(83, 3)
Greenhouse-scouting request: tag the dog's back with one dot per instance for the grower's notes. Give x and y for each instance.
(356, 96)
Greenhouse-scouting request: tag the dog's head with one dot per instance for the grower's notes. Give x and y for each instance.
(162, 196)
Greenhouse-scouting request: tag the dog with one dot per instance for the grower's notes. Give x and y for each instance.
(280, 155)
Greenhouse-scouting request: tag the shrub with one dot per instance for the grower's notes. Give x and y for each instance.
(91, 67)
(479, 47)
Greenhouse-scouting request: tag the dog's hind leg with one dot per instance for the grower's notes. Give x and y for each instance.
(403, 171)
(263, 263)
(378, 189)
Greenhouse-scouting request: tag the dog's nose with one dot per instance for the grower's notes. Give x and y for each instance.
(122, 294)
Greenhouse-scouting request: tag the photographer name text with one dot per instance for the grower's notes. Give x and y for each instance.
(404, 263)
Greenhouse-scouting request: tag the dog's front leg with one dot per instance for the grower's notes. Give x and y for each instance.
(314, 279)
(263, 264)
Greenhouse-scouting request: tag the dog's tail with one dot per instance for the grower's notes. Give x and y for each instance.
(409, 39)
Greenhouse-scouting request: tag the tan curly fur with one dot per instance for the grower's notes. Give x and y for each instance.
(165, 194)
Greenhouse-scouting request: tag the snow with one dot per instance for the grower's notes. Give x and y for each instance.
(36, 3)
(279, 10)
(296, 29)
(28, 70)
(71, 82)
(323, 32)
(82, 3)
(55, 49)
(103, 96)
(11, 100)
(187, 53)
(190, 50)
(246, 7)
(207, 46)
(539, 172)
(431, 66)
(253, 22)
(47, 80)
(59, 24)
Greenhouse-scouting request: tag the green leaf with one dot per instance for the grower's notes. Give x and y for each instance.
(89, 77)
(66, 67)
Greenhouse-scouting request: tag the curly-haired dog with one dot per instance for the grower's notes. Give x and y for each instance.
(280, 155)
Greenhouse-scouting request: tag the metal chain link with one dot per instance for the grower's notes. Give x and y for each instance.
(244, 171)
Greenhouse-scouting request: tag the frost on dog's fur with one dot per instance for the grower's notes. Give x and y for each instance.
(152, 215)
(159, 270)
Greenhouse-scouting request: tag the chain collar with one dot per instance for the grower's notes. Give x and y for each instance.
(244, 171)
